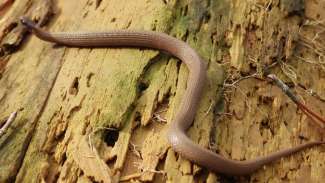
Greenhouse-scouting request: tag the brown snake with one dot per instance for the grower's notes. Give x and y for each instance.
(184, 117)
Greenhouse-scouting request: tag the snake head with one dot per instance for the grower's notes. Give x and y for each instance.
(28, 22)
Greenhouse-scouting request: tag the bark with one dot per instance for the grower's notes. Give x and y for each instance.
(100, 115)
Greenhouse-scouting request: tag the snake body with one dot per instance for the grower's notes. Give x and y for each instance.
(185, 115)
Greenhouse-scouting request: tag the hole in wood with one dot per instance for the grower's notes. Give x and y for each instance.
(111, 137)
(142, 86)
(74, 86)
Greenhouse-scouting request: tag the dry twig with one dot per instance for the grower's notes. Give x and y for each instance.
(10, 119)
(297, 101)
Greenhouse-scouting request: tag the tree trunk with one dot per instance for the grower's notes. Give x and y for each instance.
(100, 115)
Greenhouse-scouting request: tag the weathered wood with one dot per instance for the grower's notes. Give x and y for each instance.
(23, 86)
(101, 114)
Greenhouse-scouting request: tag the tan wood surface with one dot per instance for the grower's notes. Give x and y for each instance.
(100, 115)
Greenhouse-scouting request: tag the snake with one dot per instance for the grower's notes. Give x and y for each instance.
(197, 68)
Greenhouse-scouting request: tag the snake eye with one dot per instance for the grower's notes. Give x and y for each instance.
(27, 22)
(23, 20)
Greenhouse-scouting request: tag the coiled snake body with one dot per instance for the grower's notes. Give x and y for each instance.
(186, 112)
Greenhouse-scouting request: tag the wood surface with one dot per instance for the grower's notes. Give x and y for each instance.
(100, 115)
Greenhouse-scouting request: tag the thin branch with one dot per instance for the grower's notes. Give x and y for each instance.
(298, 102)
(158, 117)
(135, 151)
(10, 119)
(255, 75)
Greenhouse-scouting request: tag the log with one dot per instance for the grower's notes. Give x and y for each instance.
(101, 114)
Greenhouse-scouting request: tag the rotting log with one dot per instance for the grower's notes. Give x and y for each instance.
(100, 114)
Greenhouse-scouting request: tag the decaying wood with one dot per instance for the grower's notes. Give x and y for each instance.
(101, 114)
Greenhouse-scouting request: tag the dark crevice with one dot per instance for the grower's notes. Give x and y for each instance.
(285, 123)
(10, 27)
(185, 36)
(63, 159)
(265, 124)
(154, 27)
(201, 175)
(160, 167)
(208, 6)
(207, 17)
(73, 90)
(184, 10)
(265, 100)
(76, 108)
(73, 111)
(137, 117)
(110, 163)
(56, 177)
(85, 14)
(178, 67)
(110, 137)
(89, 77)
(98, 3)
(218, 108)
(92, 179)
(142, 86)
(302, 137)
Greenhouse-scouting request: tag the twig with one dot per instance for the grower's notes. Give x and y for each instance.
(317, 35)
(298, 102)
(313, 22)
(130, 177)
(10, 119)
(269, 3)
(284, 88)
(240, 79)
(147, 170)
(135, 151)
(159, 118)
(289, 71)
(209, 109)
